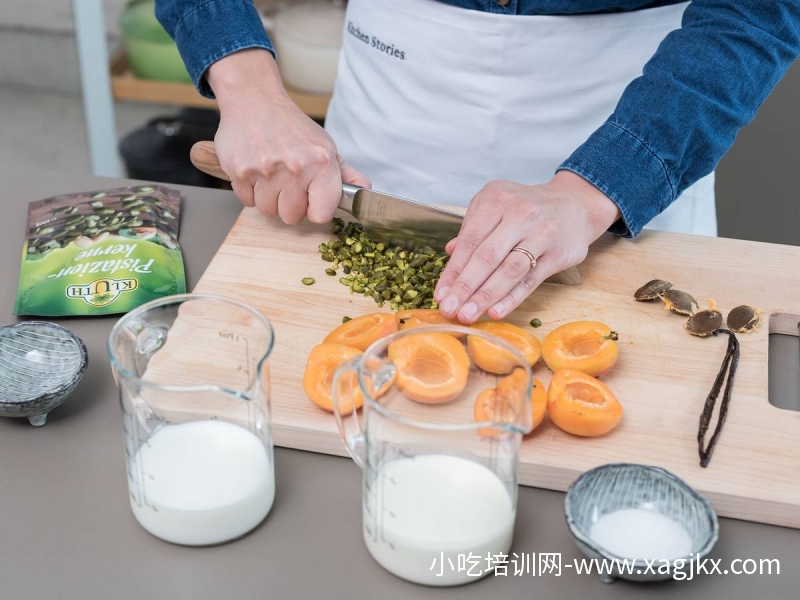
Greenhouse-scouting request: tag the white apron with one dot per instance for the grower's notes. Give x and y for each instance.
(434, 101)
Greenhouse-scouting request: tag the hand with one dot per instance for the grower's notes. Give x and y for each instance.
(278, 159)
(556, 222)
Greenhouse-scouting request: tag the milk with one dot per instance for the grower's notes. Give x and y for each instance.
(644, 534)
(416, 508)
(202, 482)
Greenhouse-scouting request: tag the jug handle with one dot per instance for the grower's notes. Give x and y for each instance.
(349, 425)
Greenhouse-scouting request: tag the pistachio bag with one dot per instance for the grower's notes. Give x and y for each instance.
(100, 253)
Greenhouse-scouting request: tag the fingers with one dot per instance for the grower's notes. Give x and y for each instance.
(545, 266)
(472, 292)
(483, 214)
(266, 198)
(325, 190)
(244, 191)
(281, 196)
(279, 160)
(484, 274)
(471, 237)
(516, 267)
(352, 175)
(292, 204)
(324, 194)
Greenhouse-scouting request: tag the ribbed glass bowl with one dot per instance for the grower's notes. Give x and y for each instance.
(612, 487)
(40, 365)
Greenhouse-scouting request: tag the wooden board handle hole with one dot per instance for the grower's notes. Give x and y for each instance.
(784, 361)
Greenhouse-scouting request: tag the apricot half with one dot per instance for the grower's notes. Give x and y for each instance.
(490, 357)
(432, 368)
(361, 332)
(582, 405)
(539, 401)
(501, 403)
(323, 360)
(587, 346)
(422, 317)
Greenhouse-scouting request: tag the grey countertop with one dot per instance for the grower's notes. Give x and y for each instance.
(66, 528)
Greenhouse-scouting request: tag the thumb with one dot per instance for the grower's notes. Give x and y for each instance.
(352, 175)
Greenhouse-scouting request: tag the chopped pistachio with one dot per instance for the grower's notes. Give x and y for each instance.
(404, 278)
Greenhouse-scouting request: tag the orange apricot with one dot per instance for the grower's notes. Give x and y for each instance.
(322, 363)
(587, 346)
(502, 403)
(539, 401)
(421, 317)
(432, 368)
(582, 405)
(361, 332)
(490, 357)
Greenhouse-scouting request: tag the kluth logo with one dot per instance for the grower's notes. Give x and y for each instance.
(101, 292)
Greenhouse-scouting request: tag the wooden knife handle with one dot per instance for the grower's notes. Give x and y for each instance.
(204, 157)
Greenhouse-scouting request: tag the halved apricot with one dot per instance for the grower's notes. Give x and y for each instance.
(432, 368)
(361, 332)
(501, 403)
(539, 401)
(587, 346)
(582, 405)
(490, 357)
(323, 360)
(422, 317)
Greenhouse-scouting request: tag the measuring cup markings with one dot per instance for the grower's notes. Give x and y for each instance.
(228, 335)
(131, 439)
(138, 468)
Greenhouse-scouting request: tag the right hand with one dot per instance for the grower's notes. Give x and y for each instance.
(277, 158)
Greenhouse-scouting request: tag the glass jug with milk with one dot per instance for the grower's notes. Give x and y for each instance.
(439, 479)
(194, 389)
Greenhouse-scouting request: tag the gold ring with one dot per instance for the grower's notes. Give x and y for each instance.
(527, 253)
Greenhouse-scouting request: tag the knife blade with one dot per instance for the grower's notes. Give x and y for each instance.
(398, 221)
(387, 218)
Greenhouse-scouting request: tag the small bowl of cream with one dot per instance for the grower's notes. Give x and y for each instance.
(639, 523)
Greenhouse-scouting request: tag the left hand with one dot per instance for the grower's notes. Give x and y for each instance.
(556, 222)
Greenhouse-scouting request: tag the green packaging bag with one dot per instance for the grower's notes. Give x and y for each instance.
(100, 253)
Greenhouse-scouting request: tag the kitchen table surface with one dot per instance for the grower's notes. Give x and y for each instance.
(67, 531)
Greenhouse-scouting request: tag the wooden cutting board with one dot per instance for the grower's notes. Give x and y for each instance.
(662, 377)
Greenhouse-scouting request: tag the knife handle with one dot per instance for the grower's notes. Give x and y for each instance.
(204, 156)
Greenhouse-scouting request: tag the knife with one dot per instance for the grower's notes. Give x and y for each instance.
(389, 219)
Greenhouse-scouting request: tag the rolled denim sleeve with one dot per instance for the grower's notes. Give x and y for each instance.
(208, 30)
(673, 124)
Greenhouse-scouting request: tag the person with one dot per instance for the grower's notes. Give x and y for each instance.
(553, 121)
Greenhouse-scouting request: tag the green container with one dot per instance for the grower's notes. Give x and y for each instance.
(152, 54)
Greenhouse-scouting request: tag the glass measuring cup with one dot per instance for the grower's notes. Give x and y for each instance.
(439, 487)
(193, 380)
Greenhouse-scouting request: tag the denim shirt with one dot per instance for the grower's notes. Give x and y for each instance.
(671, 126)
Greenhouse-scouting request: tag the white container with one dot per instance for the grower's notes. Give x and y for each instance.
(308, 39)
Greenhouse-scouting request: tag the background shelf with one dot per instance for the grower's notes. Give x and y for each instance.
(126, 86)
